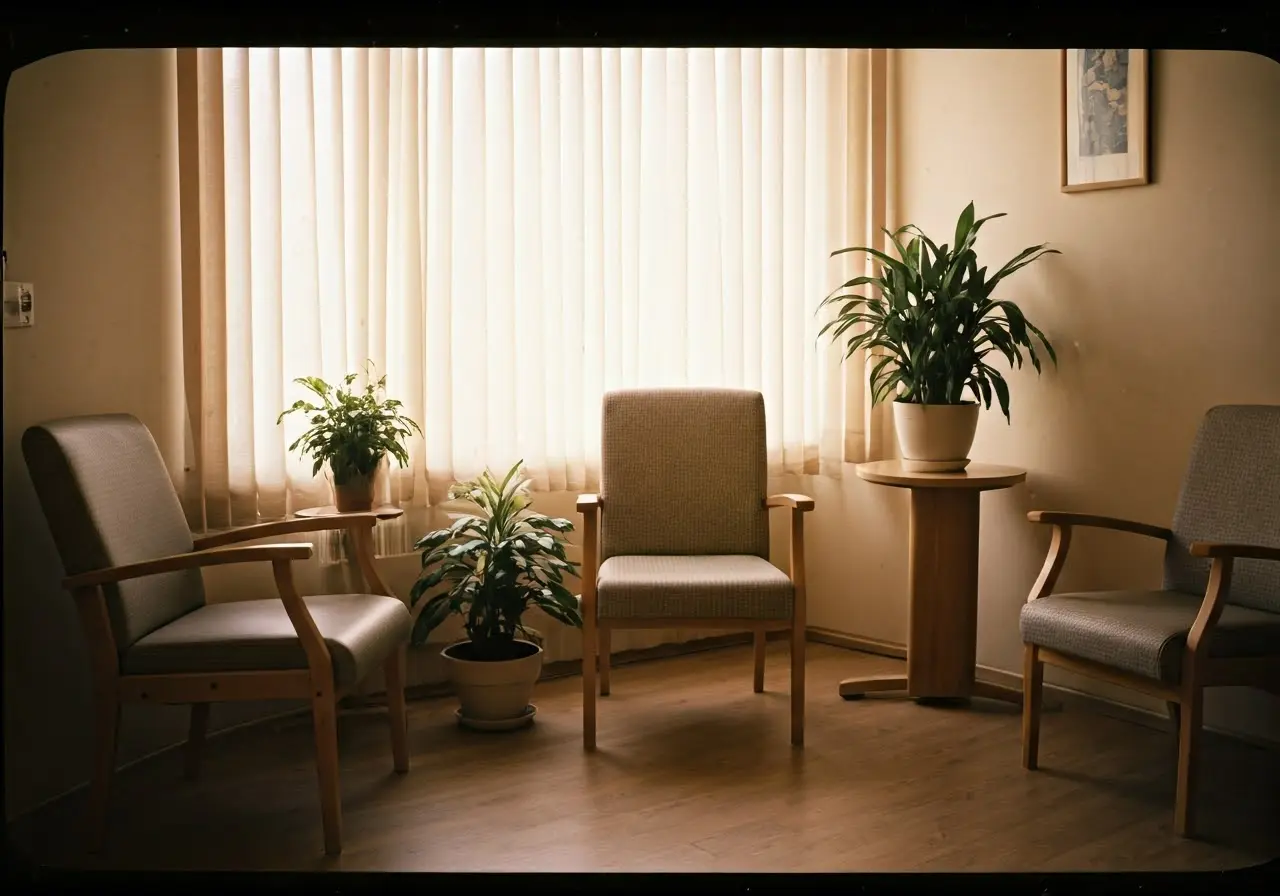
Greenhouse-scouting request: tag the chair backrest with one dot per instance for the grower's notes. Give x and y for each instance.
(683, 471)
(1231, 493)
(109, 501)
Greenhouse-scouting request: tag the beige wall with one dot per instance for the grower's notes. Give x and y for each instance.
(87, 218)
(90, 191)
(90, 217)
(1162, 304)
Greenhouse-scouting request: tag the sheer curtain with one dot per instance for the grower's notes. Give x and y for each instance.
(508, 233)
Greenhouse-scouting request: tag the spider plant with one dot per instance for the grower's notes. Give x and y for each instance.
(494, 564)
(930, 314)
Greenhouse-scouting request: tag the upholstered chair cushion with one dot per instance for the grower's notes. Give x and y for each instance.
(683, 471)
(718, 586)
(361, 630)
(1143, 632)
(1231, 493)
(109, 501)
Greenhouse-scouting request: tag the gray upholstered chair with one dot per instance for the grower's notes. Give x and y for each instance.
(1216, 619)
(134, 570)
(679, 535)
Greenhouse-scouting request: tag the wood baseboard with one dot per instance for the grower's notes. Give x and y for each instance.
(856, 642)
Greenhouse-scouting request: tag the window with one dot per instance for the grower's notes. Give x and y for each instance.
(508, 233)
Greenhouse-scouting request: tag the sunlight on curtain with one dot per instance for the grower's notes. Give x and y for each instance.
(509, 233)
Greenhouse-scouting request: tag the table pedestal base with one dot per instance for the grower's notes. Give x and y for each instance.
(942, 585)
(859, 687)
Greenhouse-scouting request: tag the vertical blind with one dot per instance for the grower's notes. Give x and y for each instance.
(509, 233)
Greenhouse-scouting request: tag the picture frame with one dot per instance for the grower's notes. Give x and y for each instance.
(1106, 119)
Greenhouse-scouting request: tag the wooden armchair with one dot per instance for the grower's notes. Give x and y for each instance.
(134, 571)
(1216, 621)
(679, 536)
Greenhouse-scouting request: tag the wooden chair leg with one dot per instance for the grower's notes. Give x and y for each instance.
(397, 713)
(324, 714)
(797, 685)
(1032, 703)
(1191, 717)
(759, 644)
(105, 738)
(606, 652)
(195, 740)
(590, 653)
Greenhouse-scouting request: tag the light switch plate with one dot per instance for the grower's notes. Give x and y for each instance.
(19, 304)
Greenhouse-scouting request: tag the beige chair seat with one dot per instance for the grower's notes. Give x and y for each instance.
(252, 635)
(710, 586)
(1143, 632)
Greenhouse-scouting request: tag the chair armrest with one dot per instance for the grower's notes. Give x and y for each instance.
(287, 527)
(589, 502)
(796, 502)
(1066, 518)
(1234, 551)
(193, 560)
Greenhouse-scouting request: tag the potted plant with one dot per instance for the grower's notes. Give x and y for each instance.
(351, 431)
(490, 566)
(931, 314)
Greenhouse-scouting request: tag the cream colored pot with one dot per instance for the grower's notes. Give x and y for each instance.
(492, 693)
(935, 438)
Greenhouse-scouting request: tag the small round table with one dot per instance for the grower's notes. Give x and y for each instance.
(943, 582)
(333, 547)
(387, 512)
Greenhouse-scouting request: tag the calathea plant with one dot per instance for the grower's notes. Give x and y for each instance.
(931, 316)
(491, 565)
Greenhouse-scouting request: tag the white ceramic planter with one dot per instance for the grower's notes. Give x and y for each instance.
(494, 694)
(935, 438)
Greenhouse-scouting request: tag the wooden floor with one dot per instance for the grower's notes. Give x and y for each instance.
(694, 773)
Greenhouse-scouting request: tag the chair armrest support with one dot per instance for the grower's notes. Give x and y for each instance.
(319, 661)
(799, 506)
(1062, 522)
(1066, 518)
(1210, 609)
(589, 506)
(351, 521)
(193, 560)
(803, 503)
(1234, 551)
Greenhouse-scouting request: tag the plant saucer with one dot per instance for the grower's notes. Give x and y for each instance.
(934, 466)
(497, 724)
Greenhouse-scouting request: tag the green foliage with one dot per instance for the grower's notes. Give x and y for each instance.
(931, 315)
(493, 565)
(351, 429)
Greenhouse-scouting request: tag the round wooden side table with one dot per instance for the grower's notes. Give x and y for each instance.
(332, 547)
(386, 512)
(943, 582)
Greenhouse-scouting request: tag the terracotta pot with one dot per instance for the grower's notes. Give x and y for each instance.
(493, 691)
(355, 495)
(935, 438)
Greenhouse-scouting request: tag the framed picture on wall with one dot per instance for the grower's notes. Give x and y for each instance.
(1106, 114)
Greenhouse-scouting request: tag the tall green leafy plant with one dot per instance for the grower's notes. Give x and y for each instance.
(491, 565)
(351, 430)
(930, 314)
